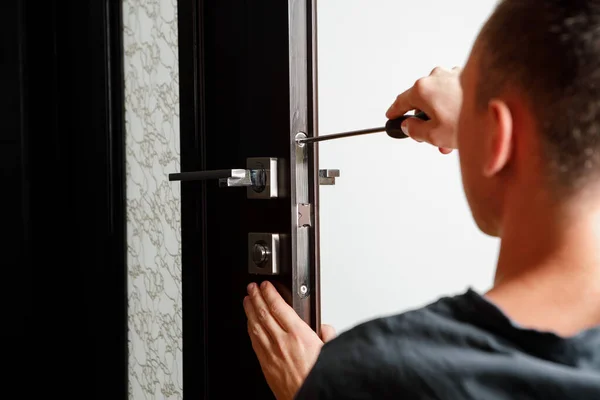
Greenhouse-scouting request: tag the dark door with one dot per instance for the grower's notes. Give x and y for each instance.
(249, 195)
(64, 285)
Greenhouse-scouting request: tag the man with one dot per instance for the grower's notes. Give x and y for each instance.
(525, 116)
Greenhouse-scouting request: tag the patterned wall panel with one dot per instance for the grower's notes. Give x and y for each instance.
(153, 203)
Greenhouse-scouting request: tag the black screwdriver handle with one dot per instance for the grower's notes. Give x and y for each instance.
(393, 129)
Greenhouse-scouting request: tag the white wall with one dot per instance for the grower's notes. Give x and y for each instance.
(396, 231)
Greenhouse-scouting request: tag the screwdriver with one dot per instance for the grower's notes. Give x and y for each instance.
(392, 128)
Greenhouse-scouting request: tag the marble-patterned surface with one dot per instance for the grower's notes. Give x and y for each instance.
(153, 206)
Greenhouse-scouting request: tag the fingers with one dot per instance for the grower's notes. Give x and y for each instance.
(259, 337)
(283, 313)
(438, 95)
(425, 131)
(405, 102)
(262, 312)
(417, 129)
(418, 97)
(327, 333)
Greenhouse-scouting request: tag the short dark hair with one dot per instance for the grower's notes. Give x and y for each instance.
(549, 50)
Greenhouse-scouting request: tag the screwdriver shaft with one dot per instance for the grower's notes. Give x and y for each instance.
(393, 128)
(339, 135)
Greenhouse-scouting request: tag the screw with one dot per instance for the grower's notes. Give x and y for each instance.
(299, 137)
(303, 289)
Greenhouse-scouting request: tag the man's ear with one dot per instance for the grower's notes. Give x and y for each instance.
(499, 143)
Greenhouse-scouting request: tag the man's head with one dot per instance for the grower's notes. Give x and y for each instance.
(530, 116)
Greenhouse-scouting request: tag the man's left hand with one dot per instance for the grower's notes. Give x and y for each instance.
(285, 345)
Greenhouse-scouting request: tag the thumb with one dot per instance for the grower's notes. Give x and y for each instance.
(327, 333)
(416, 129)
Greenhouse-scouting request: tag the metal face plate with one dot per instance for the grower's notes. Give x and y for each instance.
(272, 179)
(264, 253)
(299, 21)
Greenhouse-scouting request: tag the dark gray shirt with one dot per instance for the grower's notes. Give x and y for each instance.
(460, 347)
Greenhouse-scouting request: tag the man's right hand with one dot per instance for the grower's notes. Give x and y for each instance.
(438, 95)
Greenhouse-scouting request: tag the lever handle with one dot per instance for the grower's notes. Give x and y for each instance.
(262, 177)
(255, 178)
(393, 129)
(205, 175)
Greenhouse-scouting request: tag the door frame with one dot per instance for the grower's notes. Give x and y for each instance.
(193, 199)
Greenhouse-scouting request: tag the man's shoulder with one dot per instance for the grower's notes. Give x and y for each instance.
(390, 355)
(450, 349)
(438, 321)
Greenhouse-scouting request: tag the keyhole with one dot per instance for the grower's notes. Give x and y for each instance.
(260, 253)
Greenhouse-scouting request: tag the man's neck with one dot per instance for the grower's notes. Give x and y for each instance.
(548, 272)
